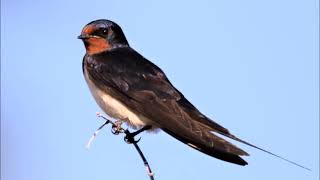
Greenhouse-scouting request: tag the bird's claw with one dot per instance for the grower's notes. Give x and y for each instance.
(130, 139)
(116, 128)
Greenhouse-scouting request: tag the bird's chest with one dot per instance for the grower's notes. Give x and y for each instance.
(114, 107)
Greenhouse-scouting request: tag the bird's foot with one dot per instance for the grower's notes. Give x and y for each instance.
(129, 138)
(116, 127)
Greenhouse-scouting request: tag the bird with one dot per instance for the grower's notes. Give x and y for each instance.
(132, 89)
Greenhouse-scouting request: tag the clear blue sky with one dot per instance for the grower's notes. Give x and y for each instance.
(253, 66)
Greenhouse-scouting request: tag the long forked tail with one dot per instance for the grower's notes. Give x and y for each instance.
(244, 142)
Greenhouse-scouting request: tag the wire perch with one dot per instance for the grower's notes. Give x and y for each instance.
(116, 130)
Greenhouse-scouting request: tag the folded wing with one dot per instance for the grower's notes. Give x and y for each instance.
(142, 86)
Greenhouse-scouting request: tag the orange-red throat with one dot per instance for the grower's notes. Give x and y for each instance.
(96, 45)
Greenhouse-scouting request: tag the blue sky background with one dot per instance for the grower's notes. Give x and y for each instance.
(253, 66)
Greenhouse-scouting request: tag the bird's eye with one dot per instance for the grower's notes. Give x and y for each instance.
(104, 31)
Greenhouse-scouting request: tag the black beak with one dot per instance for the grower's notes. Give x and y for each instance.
(84, 36)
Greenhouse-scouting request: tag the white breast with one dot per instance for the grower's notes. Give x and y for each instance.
(115, 108)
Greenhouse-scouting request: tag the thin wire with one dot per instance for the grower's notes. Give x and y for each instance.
(145, 162)
(93, 137)
(128, 134)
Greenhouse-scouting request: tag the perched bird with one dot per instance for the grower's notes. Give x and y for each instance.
(130, 88)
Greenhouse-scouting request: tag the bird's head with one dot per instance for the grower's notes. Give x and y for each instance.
(102, 35)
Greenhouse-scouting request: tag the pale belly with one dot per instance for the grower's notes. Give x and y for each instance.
(117, 110)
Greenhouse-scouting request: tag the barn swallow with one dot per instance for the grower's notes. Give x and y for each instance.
(130, 88)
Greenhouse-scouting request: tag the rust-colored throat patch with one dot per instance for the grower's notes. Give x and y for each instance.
(96, 45)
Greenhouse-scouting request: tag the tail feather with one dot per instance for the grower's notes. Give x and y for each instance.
(254, 146)
(221, 130)
(211, 151)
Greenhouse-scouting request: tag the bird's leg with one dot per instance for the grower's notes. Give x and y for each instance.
(116, 127)
(129, 138)
(147, 127)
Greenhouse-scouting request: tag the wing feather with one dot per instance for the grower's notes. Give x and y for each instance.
(142, 86)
